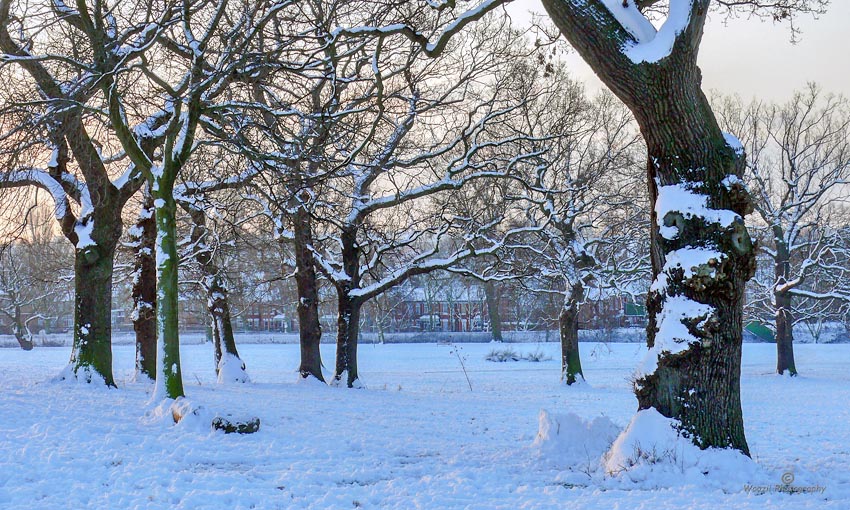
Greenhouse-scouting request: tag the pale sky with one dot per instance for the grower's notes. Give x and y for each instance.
(755, 58)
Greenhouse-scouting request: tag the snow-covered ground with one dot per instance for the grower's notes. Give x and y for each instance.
(417, 437)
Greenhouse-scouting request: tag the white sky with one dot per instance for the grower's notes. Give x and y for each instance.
(754, 58)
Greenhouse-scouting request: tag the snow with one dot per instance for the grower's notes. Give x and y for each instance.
(416, 438)
(679, 198)
(687, 259)
(650, 46)
(632, 20)
(84, 229)
(231, 370)
(570, 440)
(673, 336)
(43, 179)
(733, 142)
(651, 448)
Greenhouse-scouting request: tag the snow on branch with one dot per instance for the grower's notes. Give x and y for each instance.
(42, 179)
(430, 48)
(651, 46)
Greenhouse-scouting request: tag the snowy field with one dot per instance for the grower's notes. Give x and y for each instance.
(417, 437)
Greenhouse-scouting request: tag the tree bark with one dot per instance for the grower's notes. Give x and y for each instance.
(784, 335)
(91, 355)
(348, 312)
(491, 295)
(169, 378)
(784, 312)
(309, 327)
(348, 333)
(696, 380)
(218, 307)
(144, 289)
(568, 325)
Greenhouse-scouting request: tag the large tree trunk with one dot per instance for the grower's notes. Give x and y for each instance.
(91, 357)
(491, 295)
(309, 327)
(568, 325)
(144, 289)
(348, 312)
(695, 312)
(169, 378)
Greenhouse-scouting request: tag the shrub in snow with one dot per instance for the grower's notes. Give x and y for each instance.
(508, 354)
(537, 356)
(502, 355)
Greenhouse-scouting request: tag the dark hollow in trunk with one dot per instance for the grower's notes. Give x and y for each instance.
(144, 290)
(309, 327)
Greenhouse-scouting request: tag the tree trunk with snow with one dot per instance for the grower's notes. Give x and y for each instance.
(229, 366)
(348, 332)
(568, 325)
(491, 295)
(348, 312)
(92, 349)
(784, 335)
(144, 289)
(20, 331)
(309, 327)
(169, 378)
(701, 251)
(784, 311)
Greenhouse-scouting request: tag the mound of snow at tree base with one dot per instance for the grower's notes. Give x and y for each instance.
(649, 453)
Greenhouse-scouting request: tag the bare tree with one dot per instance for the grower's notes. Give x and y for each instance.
(428, 136)
(583, 200)
(798, 170)
(56, 109)
(34, 275)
